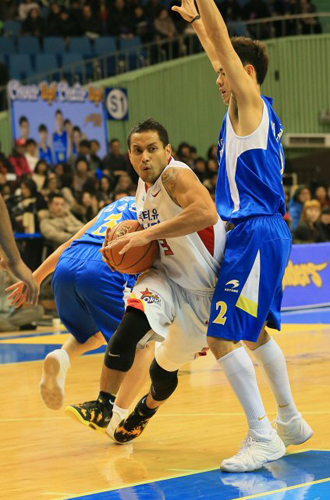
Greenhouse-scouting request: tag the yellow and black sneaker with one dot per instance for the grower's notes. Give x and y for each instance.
(94, 414)
(132, 426)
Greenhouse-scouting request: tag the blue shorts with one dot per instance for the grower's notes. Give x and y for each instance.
(89, 296)
(249, 291)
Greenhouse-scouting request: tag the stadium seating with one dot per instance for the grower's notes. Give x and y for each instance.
(20, 66)
(29, 45)
(54, 45)
(81, 45)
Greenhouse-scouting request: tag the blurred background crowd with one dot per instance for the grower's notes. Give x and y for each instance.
(51, 202)
(148, 19)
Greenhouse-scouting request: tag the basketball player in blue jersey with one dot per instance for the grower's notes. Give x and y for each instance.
(60, 140)
(90, 303)
(250, 195)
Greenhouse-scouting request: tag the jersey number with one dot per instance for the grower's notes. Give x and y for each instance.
(110, 221)
(221, 318)
(166, 246)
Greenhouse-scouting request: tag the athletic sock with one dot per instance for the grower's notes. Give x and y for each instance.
(107, 399)
(241, 375)
(144, 409)
(271, 358)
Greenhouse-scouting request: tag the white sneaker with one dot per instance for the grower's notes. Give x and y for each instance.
(118, 414)
(254, 453)
(55, 367)
(296, 431)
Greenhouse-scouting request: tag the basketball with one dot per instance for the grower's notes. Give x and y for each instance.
(135, 260)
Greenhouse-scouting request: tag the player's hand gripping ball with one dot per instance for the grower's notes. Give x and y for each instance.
(136, 259)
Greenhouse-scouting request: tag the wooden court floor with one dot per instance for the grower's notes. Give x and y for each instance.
(45, 455)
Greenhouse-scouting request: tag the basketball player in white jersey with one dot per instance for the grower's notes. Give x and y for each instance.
(171, 301)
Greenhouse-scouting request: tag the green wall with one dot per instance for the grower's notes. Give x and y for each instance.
(183, 96)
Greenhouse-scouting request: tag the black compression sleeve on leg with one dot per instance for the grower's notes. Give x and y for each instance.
(163, 383)
(122, 345)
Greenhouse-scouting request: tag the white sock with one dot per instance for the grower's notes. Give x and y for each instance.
(271, 358)
(121, 411)
(241, 375)
(65, 358)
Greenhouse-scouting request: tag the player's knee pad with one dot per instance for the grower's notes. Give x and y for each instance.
(121, 348)
(163, 383)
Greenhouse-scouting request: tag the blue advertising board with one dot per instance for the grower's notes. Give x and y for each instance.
(58, 116)
(307, 278)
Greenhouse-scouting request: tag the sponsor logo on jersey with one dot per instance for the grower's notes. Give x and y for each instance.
(150, 297)
(233, 284)
(156, 194)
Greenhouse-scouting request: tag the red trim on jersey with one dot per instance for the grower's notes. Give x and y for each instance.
(136, 303)
(146, 186)
(207, 237)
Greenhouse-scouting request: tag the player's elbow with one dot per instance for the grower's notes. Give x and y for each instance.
(210, 216)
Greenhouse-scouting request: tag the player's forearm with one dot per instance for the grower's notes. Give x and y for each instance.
(192, 219)
(7, 240)
(200, 31)
(214, 24)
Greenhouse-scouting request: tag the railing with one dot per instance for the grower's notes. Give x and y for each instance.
(119, 62)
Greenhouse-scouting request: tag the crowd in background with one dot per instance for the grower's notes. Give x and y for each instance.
(149, 19)
(56, 200)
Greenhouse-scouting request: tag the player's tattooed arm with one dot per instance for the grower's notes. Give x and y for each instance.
(169, 178)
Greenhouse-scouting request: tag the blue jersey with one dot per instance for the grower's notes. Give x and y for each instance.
(46, 155)
(250, 169)
(60, 146)
(113, 214)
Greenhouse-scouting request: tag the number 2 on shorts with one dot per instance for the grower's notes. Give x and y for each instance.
(221, 318)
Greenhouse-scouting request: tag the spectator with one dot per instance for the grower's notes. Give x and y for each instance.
(116, 162)
(12, 319)
(296, 204)
(211, 167)
(200, 169)
(141, 26)
(34, 24)
(58, 224)
(325, 224)
(95, 161)
(310, 25)
(84, 150)
(5, 166)
(67, 24)
(25, 7)
(81, 175)
(31, 153)
(53, 20)
(119, 194)
(124, 183)
(164, 26)
(90, 25)
(24, 212)
(153, 9)
(40, 174)
(120, 22)
(90, 205)
(322, 196)
(104, 193)
(212, 153)
(184, 153)
(18, 160)
(309, 230)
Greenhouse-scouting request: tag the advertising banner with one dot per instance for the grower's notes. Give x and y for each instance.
(58, 117)
(307, 278)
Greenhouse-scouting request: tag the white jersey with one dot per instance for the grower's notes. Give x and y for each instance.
(191, 261)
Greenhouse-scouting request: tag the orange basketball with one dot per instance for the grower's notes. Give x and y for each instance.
(135, 260)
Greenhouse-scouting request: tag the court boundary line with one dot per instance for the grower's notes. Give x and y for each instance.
(288, 488)
(201, 471)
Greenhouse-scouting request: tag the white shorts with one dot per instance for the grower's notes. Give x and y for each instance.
(178, 317)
